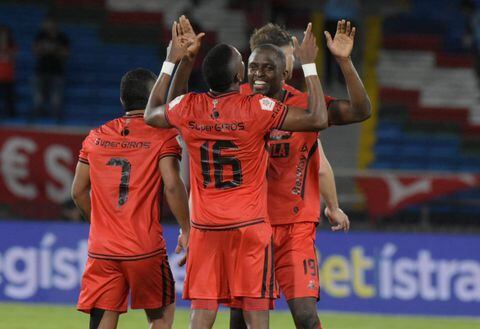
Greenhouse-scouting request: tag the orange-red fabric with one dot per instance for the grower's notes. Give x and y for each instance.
(126, 187)
(223, 265)
(244, 303)
(225, 137)
(296, 265)
(293, 183)
(106, 284)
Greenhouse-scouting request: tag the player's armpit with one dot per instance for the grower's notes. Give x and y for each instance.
(81, 189)
(315, 118)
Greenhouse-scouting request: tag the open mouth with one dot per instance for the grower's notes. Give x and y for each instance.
(259, 86)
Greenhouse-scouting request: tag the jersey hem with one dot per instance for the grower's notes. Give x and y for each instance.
(127, 258)
(227, 227)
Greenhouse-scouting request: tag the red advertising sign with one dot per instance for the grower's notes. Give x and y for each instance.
(387, 193)
(36, 170)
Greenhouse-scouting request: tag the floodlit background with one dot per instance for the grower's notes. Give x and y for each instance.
(408, 177)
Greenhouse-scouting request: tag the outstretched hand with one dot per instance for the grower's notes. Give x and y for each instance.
(341, 45)
(178, 46)
(194, 40)
(308, 50)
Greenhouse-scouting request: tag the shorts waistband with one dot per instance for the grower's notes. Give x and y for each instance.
(227, 227)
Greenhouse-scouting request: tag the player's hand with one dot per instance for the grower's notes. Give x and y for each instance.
(195, 40)
(182, 244)
(341, 45)
(338, 219)
(308, 50)
(177, 48)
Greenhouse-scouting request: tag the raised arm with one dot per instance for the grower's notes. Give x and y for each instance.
(179, 84)
(155, 111)
(358, 107)
(315, 118)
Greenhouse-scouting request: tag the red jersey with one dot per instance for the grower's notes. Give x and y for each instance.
(293, 182)
(226, 139)
(126, 187)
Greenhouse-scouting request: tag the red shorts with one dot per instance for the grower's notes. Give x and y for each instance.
(229, 264)
(106, 284)
(296, 265)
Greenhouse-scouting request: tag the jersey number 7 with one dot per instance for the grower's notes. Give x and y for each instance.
(219, 163)
(124, 179)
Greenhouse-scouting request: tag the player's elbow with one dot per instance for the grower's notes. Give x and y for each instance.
(319, 124)
(363, 111)
(76, 193)
(149, 118)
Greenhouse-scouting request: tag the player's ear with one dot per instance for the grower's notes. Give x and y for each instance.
(285, 75)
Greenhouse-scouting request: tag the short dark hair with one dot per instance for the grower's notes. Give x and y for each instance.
(218, 71)
(135, 88)
(270, 33)
(276, 51)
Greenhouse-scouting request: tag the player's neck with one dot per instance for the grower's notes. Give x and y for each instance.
(134, 112)
(229, 90)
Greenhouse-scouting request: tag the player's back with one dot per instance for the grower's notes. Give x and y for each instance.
(126, 187)
(226, 140)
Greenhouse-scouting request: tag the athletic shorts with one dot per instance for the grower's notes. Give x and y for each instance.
(106, 284)
(224, 265)
(296, 265)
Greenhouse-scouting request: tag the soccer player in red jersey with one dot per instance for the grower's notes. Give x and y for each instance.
(298, 169)
(124, 168)
(230, 253)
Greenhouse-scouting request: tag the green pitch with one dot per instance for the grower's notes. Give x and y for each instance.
(27, 316)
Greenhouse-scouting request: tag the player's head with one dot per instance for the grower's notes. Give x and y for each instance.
(223, 68)
(135, 89)
(266, 70)
(278, 36)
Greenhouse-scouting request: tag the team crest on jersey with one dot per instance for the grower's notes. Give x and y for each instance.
(267, 104)
(173, 103)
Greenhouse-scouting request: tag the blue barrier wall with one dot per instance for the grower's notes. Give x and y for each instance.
(361, 272)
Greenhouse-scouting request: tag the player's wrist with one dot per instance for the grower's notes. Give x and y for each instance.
(309, 69)
(167, 67)
(343, 60)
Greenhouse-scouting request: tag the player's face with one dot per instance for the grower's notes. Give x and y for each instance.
(288, 51)
(265, 75)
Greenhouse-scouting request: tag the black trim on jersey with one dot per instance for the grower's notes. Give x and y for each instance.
(136, 115)
(175, 155)
(83, 160)
(265, 270)
(284, 115)
(164, 285)
(310, 154)
(226, 227)
(272, 269)
(172, 284)
(160, 204)
(228, 93)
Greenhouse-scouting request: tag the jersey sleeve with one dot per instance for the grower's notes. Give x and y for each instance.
(268, 112)
(176, 110)
(84, 151)
(171, 147)
(328, 100)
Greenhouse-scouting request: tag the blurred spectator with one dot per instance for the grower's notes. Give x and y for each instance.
(51, 49)
(471, 40)
(8, 51)
(335, 10)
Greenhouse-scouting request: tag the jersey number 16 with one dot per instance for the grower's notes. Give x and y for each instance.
(214, 154)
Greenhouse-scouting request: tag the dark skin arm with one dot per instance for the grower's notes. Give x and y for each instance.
(177, 198)
(358, 107)
(81, 190)
(155, 110)
(315, 118)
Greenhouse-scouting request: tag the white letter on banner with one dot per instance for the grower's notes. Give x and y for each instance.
(64, 261)
(426, 269)
(62, 174)
(467, 286)
(14, 166)
(404, 272)
(386, 275)
(446, 271)
(22, 283)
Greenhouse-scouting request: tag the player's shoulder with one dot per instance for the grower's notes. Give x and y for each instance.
(245, 89)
